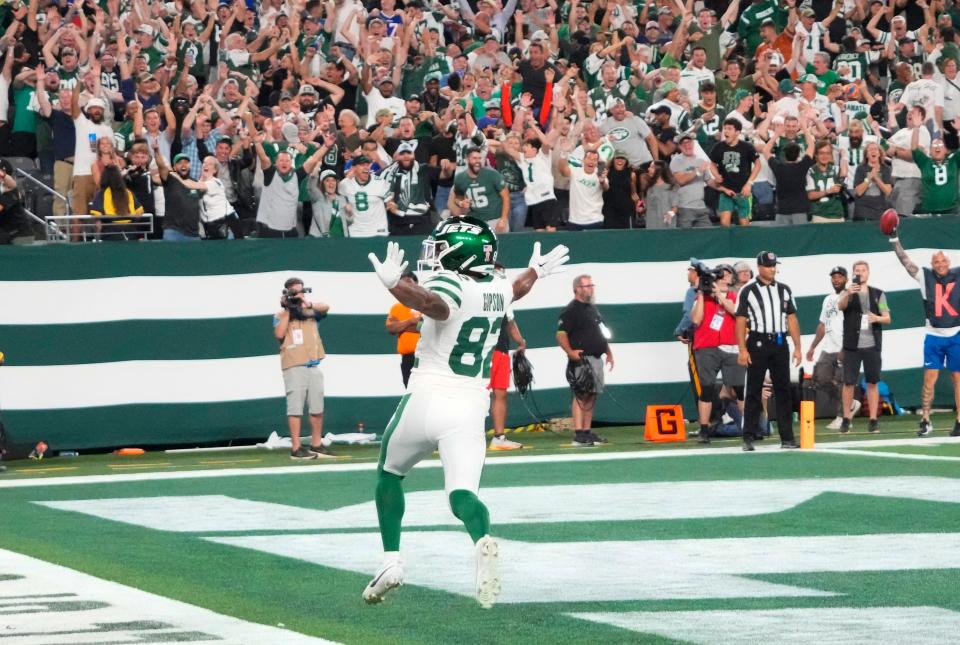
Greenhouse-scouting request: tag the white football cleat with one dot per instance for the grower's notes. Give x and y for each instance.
(502, 443)
(835, 424)
(488, 571)
(389, 576)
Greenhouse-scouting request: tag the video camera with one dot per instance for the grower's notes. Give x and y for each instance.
(293, 300)
(708, 277)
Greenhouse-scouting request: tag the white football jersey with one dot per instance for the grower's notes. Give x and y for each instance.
(458, 350)
(538, 175)
(368, 209)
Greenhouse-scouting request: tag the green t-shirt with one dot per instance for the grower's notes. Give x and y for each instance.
(829, 206)
(939, 183)
(484, 192)
(751, 19)
(782, 143)
(192, 49)
(24, 120)
(824, 80)
(711, 42)
(275, 147)
(726, 90)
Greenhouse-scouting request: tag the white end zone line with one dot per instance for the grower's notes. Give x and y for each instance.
(772, 447)
(890, 455)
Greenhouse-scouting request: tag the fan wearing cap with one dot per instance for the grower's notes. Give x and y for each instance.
(328, 216)
(89, 127)
(277, 211)
(366, 196)
(766, 317)
(409, 212)
(182, 195)
(191, 46)
(382, 96)
(811, 31)
(612, 88)
(151, 47)
(753, 17)
(733, 81)
(790, 169)
(68, 67)
(710, 116)
(828, 370)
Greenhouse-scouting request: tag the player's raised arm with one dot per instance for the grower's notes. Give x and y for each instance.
(408, 293)
(540, 267)
(904, 258)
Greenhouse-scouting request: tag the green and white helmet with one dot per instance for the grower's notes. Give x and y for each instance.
(462, 244)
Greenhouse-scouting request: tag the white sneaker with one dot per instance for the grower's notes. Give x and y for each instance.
(835, 424)
(389, 576)
(855, 407)
(502, 443)
(488, 571)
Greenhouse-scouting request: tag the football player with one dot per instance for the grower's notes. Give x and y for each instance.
(463, 302)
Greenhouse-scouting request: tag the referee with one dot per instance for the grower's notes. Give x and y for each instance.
(766, 313)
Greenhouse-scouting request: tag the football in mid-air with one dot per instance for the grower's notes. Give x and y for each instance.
(889, 221)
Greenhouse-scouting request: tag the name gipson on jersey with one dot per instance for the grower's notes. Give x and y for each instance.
(493, 302)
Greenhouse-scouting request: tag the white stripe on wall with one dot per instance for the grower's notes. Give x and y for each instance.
(364, 375)
(254, 294)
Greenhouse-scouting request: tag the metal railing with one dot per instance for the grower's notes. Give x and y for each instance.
(97, 228)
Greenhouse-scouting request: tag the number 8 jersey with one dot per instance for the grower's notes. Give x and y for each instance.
(457, 351)
(368, 205)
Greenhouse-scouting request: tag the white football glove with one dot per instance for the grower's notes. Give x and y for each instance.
(391, 269)
(550, 263)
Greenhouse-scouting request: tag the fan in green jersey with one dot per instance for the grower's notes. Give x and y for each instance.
(938, 176)
(825, 185)
(481, 192)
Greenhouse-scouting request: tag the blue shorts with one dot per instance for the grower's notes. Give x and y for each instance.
(940, 351)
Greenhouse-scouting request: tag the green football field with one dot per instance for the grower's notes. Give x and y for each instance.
(857, 541)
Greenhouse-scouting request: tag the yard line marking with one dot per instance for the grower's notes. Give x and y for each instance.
(917, 625)
(325, 467)
(31, 471)
(232, 461)
(515, 504)
(619, 570)
(81, 608)
(889, 455)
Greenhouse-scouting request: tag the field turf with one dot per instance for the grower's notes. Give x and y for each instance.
(627, 543)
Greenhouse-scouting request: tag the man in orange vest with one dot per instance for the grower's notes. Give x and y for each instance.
(301, 350)
(404, 323)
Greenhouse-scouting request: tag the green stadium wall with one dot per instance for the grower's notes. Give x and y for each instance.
(160, 343)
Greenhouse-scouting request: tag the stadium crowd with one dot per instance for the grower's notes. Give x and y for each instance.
(282, 118)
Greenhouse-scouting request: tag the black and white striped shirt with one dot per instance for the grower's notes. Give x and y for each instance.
(766, 307)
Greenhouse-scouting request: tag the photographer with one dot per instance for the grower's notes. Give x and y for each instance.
(714, 340)
(864, 310)
(12, 221)
(301, 350)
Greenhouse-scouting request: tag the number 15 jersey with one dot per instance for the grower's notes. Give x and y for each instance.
(457, 351)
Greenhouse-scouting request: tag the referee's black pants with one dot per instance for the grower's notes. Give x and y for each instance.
(768, 354)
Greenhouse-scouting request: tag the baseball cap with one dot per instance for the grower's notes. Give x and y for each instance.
(664, 10)
(327, 173)
(285, 96)
(491, 37)
(767, 259)
(409, 146)
(96, 102)
(809, 78)
(667, 86)
(653, 24)
(786, 86)
(362, 159)
(839, 269)
(807, 12)
(740, 94)
(307, 89)
(684, 136)
(181, 157)
(413, 97)
(146, 29)
(540, 34)
(68, 51)
(620, 153)
(661, 109)
(742, 266)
